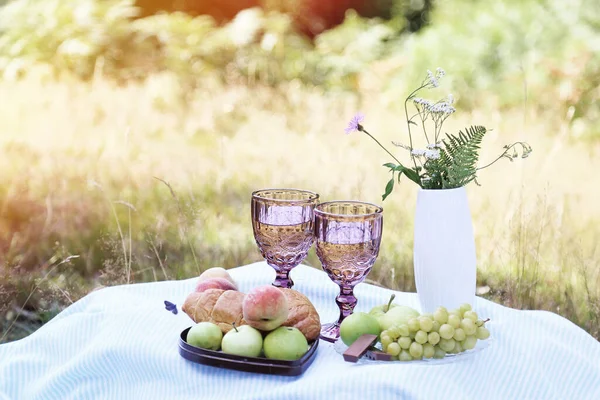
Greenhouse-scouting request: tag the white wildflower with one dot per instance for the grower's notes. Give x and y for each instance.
(439, 73)
(450, 98)
(418, 152)
(432, 154)
(398, 144)
(441, 108)
(433, 80)
(423, 102)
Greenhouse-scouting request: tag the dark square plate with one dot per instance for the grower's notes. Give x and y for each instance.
(249, 364)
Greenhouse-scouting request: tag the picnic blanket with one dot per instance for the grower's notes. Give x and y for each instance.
(120, 343)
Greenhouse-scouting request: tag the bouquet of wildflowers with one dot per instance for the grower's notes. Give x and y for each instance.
(446, 162)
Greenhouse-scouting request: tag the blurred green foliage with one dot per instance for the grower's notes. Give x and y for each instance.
(544, 54)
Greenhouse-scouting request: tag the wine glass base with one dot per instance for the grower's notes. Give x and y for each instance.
(330, 332)
(288, 283)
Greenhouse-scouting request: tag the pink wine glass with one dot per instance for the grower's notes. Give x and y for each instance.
(282, 221)
(348, 235)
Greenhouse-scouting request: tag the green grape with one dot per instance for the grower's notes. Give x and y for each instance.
(385, 339)
(433, 338)
(468, 326)
(405, 356)
(416, 350)
(428, 350)
(421, 337)
(412, 334)
(458, 312)
(441, 316)
(404, 342)
(446, 331)
(427, 315)
(403, 329)
(413, 324)
(465, 307)
(436, 326)
(393, 349)
(447, 344)
(393, 332)
(425, 323)
(459, 334)
(454, 321)
(482, 333)
(457, 348)
(439, 353)
(469, 343)
(472, 315)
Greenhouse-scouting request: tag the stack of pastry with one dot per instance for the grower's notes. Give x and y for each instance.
(217, 300)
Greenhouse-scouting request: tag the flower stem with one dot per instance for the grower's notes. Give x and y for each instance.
(360, 128)
(409, 133)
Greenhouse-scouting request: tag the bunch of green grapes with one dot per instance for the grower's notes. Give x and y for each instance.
(435, 335)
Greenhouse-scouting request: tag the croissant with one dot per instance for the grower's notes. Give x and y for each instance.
(221, 307)
(224, 307)
(302, 314)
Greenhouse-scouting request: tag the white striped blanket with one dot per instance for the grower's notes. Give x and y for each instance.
(121, 343)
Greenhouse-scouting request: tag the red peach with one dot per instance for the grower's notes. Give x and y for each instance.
(216, 272)
(214, 283)
(265, 308)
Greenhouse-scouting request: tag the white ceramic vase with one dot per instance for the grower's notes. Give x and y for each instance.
(444, 249)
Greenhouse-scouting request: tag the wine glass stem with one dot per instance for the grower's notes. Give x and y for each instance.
(345, 301)
(282, 277)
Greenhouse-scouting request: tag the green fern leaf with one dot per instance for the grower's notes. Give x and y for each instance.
(459, 156)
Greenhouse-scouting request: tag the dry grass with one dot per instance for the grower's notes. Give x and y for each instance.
(79, 163)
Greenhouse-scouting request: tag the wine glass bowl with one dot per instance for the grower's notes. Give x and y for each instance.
(282, 221)
(348, 235)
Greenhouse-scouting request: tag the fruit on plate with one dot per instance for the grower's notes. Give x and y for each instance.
(265, 307)
(390, 314)
(205, 335)
(215, 283)
(242, 341)
(222, 307)
(434, 335)
(216, 272)
(285, 343)
(356, 325)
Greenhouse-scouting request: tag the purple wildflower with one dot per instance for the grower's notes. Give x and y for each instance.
(354, 124)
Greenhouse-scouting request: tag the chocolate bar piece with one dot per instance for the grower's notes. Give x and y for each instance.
(378, 355)
(359, 348)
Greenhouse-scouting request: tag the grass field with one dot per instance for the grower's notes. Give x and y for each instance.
(103, 185)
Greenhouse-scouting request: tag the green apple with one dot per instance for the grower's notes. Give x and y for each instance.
(357, 324)
(285, 343)
(378, 311)
(242, 341)
(389, 314)
(205, 335)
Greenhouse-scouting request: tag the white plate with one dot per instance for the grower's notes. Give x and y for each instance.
(340, 347)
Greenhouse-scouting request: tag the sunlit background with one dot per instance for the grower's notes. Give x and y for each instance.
(132, 134)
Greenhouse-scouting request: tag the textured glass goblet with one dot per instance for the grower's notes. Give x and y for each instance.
(283, 220)
(348, 235)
